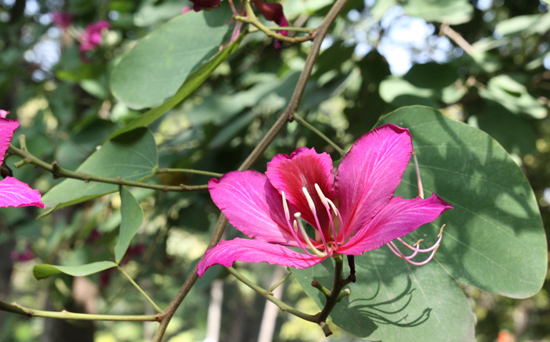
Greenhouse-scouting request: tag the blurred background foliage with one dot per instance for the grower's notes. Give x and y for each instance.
(486, 63)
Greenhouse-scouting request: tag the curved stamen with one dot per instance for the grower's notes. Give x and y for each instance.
(325, 200)
(440, 235)
(416, 248)
(398, 252)
(314, 212)
(298, 225)
(292, 229)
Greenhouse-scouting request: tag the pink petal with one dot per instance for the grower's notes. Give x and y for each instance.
(7, 127)
(227, 252)
(14, 193)
(369, 175)
(303, 168)
(3, 113)
(398, 218)
(252, 205)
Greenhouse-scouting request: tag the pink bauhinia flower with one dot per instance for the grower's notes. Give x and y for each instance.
(14, 193)
(351, 210)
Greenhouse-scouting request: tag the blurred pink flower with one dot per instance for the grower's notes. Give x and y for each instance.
(62, 19)
(185, 9)
(92, 37)
(14, 193)
(352, 209)
(24, 256)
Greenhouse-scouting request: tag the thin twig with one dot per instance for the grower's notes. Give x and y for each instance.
(306, 124)
(456, 37)
(58, 172)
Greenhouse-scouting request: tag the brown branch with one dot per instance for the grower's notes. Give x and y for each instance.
(456, 37)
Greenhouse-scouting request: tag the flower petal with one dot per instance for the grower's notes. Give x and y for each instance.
(369, 174)
(398, 218)
(303, 168)
(273, 12)
(227, 252)
(14, 193)
(7, 127)
(252, 205)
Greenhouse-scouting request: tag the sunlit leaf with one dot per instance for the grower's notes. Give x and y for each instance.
(132, 156)
(157, 65)
(191, 83)
(44, 270)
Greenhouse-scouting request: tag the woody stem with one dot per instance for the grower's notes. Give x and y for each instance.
(334, 296)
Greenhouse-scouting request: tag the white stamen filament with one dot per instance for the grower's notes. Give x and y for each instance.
(325, 202)
(293, 230)
(312, 208)
(298, 225)
(285, 206)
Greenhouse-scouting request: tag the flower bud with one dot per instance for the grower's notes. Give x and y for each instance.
(206, 5)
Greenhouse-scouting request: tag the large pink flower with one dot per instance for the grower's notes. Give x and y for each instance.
(14, 193)
(352, 209)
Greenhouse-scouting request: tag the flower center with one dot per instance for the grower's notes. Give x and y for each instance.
(296, 226)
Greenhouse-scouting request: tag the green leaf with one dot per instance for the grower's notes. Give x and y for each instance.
(494, 238)
(131, 219)
(157, 65)
(44, 271)
(191, 83)
(132, 156)
(512, 95)
(399, 92)
(394, 301)
(452, 12)
(528, 24)
(499, 123)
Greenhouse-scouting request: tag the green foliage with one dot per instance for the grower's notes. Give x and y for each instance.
(132, 156)
(482, 148)
(131, 219)
(494, 238)
(45, 271)
(157, 65)
(394, 301)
